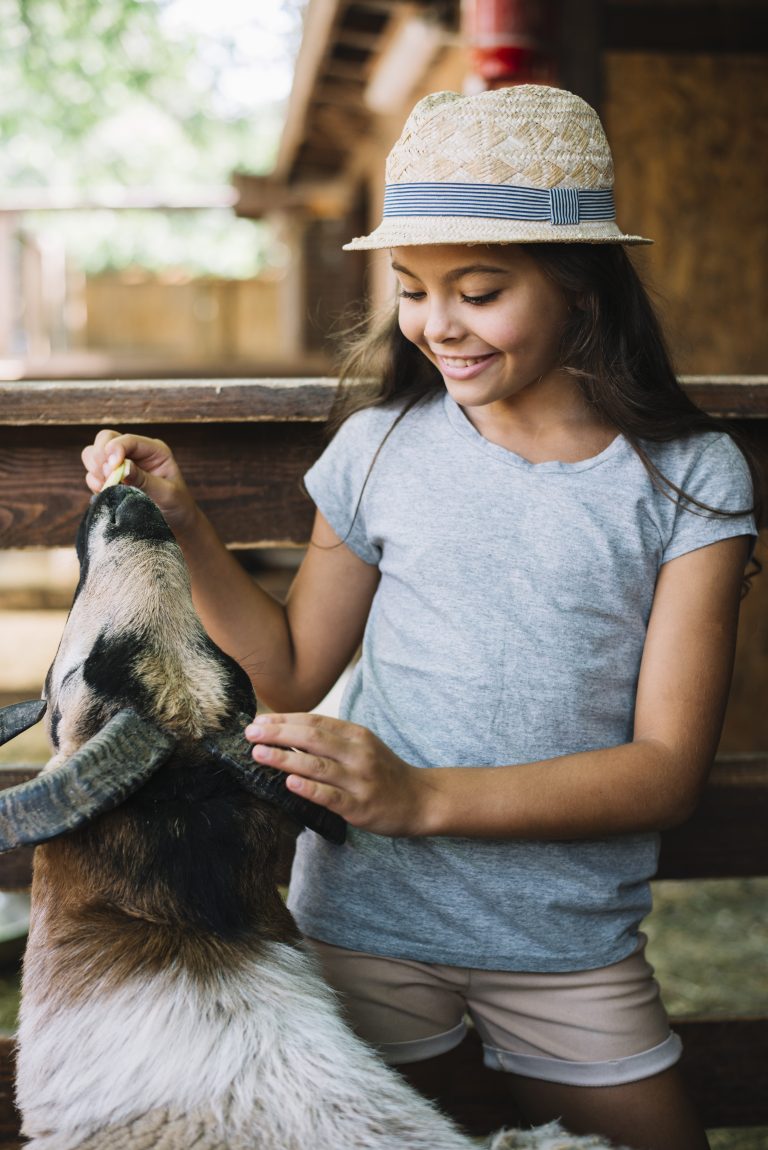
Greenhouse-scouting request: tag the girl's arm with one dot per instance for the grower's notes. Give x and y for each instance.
(294, 653)
(648, 784)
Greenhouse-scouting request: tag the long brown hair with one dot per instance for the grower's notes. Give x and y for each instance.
(612, 345)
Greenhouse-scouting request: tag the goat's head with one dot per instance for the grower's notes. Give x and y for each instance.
(136, 683)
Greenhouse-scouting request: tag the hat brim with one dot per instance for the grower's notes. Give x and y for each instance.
(415, 231)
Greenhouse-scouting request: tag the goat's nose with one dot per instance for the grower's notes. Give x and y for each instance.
(134, 513)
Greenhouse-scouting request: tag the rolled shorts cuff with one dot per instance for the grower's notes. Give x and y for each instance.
(614, 1072)
(417, 1049)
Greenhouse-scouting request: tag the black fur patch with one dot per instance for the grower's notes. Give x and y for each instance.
(110, 671)
(190, 845)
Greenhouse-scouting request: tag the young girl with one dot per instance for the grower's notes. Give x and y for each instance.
(540, 544)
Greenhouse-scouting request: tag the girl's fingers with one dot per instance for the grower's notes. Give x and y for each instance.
(298, 762)
(315, 735)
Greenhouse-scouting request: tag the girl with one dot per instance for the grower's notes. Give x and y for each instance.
(540, 543)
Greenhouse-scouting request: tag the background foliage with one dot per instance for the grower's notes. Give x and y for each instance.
(165, 94)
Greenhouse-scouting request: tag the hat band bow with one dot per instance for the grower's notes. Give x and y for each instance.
(500, 202)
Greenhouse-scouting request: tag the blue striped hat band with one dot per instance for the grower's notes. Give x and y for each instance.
(500, 202)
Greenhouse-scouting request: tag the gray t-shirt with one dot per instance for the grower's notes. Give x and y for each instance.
(508, 627)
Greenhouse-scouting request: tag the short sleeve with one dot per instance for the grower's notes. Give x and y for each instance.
(719, 478)
(339, 480)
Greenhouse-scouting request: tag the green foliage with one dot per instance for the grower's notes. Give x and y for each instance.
(112, 93)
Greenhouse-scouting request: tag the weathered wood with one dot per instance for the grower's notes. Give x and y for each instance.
(247, 477)
(724, 1063)
(691, 175)
(726, 838)
(730, 396)
(157, 401)
(243, 446)
(128, 402)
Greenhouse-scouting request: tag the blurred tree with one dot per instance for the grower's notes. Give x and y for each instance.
(166, 93)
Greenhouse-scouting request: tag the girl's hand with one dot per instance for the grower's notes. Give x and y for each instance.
(152, 468)
(345, 768)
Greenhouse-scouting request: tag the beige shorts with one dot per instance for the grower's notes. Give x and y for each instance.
(599, 1027)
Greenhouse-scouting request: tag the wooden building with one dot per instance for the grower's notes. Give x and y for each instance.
(682, 88)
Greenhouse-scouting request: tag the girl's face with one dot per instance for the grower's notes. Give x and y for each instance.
(486, 316)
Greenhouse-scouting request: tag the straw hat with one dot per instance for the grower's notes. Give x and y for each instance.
(527, 164)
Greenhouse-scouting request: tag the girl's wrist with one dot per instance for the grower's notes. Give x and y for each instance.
(430, 811)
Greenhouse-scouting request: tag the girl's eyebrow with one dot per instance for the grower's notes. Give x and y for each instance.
(457, 273)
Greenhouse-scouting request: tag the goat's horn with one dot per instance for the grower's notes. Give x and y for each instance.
(233, 751)
(19, 717)
(96, 778)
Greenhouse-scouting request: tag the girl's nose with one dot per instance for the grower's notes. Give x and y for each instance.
(442, 323)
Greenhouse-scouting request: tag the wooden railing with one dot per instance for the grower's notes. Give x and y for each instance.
(243, 446)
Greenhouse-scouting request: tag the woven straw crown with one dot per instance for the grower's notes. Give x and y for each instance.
(528, 164)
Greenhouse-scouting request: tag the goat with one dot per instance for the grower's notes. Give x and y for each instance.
(167, 999)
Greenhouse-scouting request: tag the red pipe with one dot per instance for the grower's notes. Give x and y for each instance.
(510, 41)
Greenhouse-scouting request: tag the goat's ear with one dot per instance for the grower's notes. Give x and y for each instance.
(19, 717)
(233, 751)
(96, 778)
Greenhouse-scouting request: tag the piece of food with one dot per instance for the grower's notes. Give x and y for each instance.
(121, 472)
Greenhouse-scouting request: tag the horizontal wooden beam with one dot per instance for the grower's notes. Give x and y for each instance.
(50, 403)
(245, 475)
(729, 396)
(724, 839)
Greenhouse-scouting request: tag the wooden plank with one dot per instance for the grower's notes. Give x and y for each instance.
(246, 476)
(724, 839)
(724, 1064)
(158, 401)
(729, 396)
(144, 401)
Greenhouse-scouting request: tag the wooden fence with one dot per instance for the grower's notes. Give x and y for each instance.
(243, 446)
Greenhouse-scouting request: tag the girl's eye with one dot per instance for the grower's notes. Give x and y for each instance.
(479, 300)
(411, 294)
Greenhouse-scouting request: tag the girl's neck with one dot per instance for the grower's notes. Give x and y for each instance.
(549, 421)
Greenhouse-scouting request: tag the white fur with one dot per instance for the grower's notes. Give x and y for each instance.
(264, 1052)
(263, 1047)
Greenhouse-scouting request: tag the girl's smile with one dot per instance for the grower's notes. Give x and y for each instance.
(460, 368)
